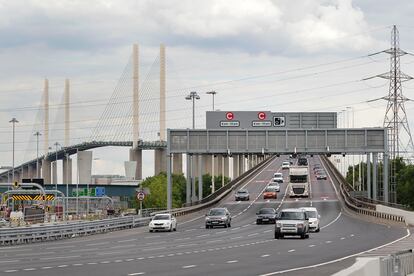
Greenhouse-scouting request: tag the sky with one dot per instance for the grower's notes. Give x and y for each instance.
(280, 55)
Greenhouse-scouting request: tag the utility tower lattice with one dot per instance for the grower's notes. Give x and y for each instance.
(400, 142)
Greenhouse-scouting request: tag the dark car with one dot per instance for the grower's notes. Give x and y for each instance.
(242, 194)
(218, 217)
(321, 175)
(266, 215)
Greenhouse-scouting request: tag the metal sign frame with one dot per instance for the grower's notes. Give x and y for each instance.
(276, 141)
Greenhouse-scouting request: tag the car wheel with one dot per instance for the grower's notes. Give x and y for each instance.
(258, 222)
(307, 236)
(303, 236)
(170, 230)
(318, 230)
(229, 224)
(207, 227)
(277, 236)
(225, 225)
(175, 228)
(151, 231)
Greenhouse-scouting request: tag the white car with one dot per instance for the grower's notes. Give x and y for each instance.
(314, 218)
(285, 165)
(166, 222)
(274, 185)
(278, 177)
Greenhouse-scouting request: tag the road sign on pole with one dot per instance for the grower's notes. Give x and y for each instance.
(140, 196)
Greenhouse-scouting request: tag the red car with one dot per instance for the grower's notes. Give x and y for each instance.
(270, 193)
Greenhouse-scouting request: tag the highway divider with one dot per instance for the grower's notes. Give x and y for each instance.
(355, 204)
(220, 193)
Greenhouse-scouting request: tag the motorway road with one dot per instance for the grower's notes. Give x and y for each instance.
(243, 249)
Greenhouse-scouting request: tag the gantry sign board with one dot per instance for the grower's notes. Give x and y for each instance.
(311, 141)
(270, 120)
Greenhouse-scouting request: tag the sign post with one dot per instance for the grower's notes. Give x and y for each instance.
(140, 197)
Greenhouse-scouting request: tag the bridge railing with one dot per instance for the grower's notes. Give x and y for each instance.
(353, 203)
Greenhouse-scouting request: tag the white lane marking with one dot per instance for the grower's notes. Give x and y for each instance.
(343, 238)
(99, 243)
(191, 220)
(61, 266)
(232, 262)
(29, 269)
(11, 270)
(136, 273)
(122, 246)
(292, 250)
(62, 257)
(62, 247)
(109, 253)
(267, 231)
(254, 234)
(9, 261)
(184, 245)
(129, 260)
(265, 256)
(312, 245)
(352, 235)
(154, 248)
(237, 228)
(212, 241)
(328, 242)
(221, 232)
(238, 237)
(128, 240)
(188, 266)
(205, 235)
(189, 230)
(46, 267)
(337, 260)
(105, 262)
(332, 222)
(183, 239)
(77, 264)
(93, 263)
(170, 255)
(140, 258)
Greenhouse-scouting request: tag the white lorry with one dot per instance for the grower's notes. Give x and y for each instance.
(298, 181)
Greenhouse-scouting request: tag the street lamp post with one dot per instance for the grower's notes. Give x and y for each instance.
(213, 186)
(13, 121)
(353, 156)
(193, 96)
(37, 134)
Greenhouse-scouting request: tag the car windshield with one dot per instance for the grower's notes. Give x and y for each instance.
(292, 216)
(267, 211)
(161, 217)
(242, 192)
(285, 163)
(217, 212)
(311, 214)
(270, 189)
(278, 175)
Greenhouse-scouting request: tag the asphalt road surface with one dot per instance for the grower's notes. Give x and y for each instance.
(243, 249)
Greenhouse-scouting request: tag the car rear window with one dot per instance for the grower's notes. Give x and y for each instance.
(266, 211)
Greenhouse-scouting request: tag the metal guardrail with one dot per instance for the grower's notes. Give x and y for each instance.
(356, 205)
(22, 235)
(398, 264)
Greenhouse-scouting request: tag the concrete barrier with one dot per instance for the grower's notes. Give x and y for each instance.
(408, 216)
(364, 266)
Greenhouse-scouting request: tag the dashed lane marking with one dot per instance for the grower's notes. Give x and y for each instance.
(312, 245)
(188, 266)
(232, 262)
(292, 250)
(136, 273)
(265, 256)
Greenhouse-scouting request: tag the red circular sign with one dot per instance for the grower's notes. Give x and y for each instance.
(229, 116)
(261, 115)
(140, 196)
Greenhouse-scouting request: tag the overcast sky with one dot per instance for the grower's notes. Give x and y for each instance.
(281, 55)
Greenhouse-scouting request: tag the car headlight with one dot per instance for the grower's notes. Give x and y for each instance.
(223, 218)
(278, 224)
(207, 218)
(300, 225)
(167, 223)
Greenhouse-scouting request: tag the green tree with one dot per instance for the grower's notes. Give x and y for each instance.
(158, 191)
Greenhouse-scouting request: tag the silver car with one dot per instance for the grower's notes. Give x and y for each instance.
(292, 222)
(218, 217)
